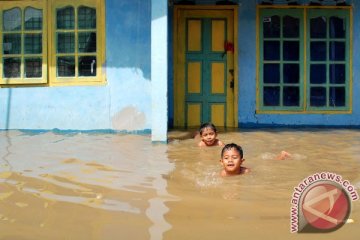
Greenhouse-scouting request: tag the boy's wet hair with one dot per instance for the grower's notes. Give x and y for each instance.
(207, 125)
(230, 146)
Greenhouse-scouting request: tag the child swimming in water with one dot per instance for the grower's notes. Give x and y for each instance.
(232, 158)
(208, 136)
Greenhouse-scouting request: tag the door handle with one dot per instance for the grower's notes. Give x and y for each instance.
(231, 71)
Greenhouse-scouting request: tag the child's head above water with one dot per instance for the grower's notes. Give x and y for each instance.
(208, 134)
(206, 126)
(234, 146)
(232, 157)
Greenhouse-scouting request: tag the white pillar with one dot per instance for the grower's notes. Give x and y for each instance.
(159, 70)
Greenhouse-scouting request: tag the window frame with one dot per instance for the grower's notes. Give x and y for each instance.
(100, 43)
(49, 45)
(304, 72)
(311, 13)
(22, 80)
(282, 62)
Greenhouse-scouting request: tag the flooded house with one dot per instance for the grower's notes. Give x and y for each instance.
(148, 66)
(75, 72)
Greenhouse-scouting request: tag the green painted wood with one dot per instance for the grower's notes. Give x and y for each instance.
(327, 14)
(265, 15)
(305, 61)
(206, 57)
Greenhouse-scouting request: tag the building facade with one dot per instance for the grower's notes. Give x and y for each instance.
(146, 66)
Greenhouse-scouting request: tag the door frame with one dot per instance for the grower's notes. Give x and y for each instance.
(179, 61)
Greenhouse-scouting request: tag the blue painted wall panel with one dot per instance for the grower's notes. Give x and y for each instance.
(128, 28)
(47, 108)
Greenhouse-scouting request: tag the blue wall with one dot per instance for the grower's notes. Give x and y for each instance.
(124, 103)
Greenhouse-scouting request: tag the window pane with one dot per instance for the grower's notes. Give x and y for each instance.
(271, 27)
(65, 42)
(317, 73)
(337, 96)
(337, 27)
(318, 51)
(87, 42)
(337, 51)
(87, 18)
(318, 27)
(65, 18)
(66, 66)
(33, 43)
(291, 27)
(271, 50)
(33, 67)
(271, 96)
(12, 20)
(291, 96)
(337, 73)
(87, 66)
(317, 96)
(271, 73)
(33, 19)
(291, 50)
(291, 73)
(12, 44)
(12, 67)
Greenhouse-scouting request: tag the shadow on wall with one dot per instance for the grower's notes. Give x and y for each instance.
(128, 34)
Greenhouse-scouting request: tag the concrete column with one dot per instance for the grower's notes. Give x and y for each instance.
(159, 70)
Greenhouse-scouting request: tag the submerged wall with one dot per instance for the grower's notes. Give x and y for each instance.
(123, 104)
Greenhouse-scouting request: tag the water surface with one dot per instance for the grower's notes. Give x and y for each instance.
(115, 186)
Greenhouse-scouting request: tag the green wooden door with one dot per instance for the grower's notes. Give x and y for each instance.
(205, 86)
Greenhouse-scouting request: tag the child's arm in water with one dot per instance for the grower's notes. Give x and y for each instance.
(283, 155)
(220, 143)
(245, 170)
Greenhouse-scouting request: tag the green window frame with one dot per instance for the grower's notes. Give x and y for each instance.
(52, 43)
(304, 60)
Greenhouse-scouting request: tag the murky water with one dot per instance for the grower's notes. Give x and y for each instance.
(113, 186)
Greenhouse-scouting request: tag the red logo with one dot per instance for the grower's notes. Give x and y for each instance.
(325, 206)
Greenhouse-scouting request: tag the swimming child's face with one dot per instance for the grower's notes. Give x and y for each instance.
(231, 161)
(208, 136)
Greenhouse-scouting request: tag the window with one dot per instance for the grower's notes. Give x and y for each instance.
(304, 60)
(23, 45)
(52, 42)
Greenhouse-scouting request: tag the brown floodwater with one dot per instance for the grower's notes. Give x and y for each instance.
(117, 186)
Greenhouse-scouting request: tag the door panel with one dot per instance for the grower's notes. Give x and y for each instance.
(194, 42)
(218, 35)
(193, 114)
(194, 77)
(218, 114)
(218, 78)
(211, 56)
(203, 79)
